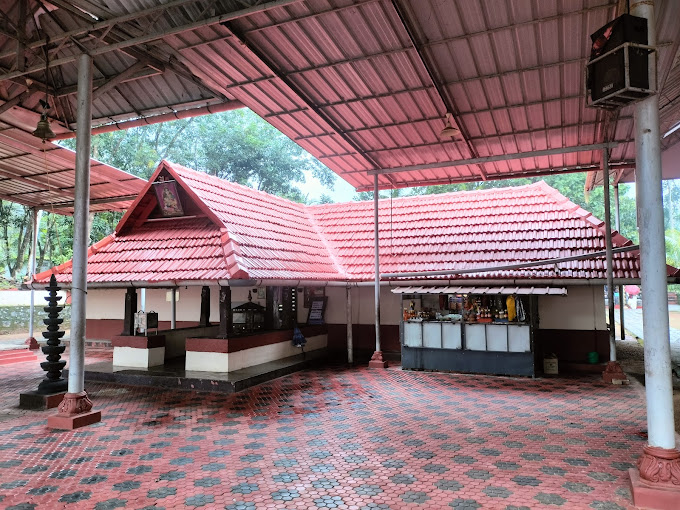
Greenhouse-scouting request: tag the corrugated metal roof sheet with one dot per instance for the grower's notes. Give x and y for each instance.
(43, 175)
(235, 232)
(351, 81)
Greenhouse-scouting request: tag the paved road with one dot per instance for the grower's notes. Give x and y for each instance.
(632, 322)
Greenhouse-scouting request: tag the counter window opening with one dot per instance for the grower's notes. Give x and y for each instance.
(468, 308)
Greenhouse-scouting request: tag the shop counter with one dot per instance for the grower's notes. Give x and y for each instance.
(503, 348)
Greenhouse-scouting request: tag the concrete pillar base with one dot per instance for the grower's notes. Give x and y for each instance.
(377, 361)
(32, 343)
(75, 411)
(653, 496)
(613, 374)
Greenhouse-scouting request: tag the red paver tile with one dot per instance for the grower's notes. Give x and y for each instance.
(330, 438)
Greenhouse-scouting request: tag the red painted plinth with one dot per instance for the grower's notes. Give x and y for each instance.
(75, 411)
(653, 496)
(613, 373)
(74, 422)
(377, 361)
(32, 343)
(655, 483)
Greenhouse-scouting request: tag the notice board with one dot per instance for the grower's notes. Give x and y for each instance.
(317, 308)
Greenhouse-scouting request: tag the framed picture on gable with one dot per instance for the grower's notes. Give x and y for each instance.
(168, 198)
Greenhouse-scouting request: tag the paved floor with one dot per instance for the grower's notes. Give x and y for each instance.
(330, 438)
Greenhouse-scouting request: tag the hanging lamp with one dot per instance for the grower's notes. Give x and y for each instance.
(449, 130)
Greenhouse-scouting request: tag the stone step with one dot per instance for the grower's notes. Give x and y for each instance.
(16, 356)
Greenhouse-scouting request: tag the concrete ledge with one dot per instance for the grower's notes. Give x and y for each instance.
(202, 361)
(35, 400)
(138, 357)
(268, 347)
(177, 378)
(241, 343)
(589, 368)
(138, 342)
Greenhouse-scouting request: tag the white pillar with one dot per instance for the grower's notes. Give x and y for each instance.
(610, 257)
(76, 373)
(350, 342)
(34, 251)
(377, 264)
(173, 308)
(622, 296)
(658, 382)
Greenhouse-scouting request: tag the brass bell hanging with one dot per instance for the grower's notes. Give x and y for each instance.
(43, 130)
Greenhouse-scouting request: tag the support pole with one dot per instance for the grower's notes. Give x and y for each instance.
(31, 341)
(129, 313)
(655, 483)
(622, 296)
(376, 359)
(204, 319)
(142, 298)
(610, 256)
(613, 371)
(173, 309)
(225, 311)
(76, 408)
(350, 341)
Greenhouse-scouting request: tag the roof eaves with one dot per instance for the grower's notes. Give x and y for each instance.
(60, 269)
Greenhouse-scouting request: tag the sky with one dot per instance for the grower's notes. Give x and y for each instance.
(342, 192)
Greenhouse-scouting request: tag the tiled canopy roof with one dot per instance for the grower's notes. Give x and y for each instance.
(231, 231)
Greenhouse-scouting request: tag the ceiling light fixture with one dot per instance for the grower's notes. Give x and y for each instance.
(43, 130)
(449, 130)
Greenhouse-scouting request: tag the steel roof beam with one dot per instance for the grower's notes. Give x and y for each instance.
(100, 25)
(45, 186)
(146, 38)
(499, 157)
(491, 136)
(95, 201)
(264, 61)
(144, 73)
(503, 28)
(442, 91)
(494, 177)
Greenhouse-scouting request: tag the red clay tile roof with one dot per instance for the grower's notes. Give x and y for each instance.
(471, 229)
(237, 232)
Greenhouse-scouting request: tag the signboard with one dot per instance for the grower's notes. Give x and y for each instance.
(313, 292)
(317, 308)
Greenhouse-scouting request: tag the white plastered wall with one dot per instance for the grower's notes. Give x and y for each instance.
(582, 308)
(363, 308)
(110, 303)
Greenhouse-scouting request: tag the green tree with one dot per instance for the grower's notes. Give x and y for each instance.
(15, 238)
(673, 247)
